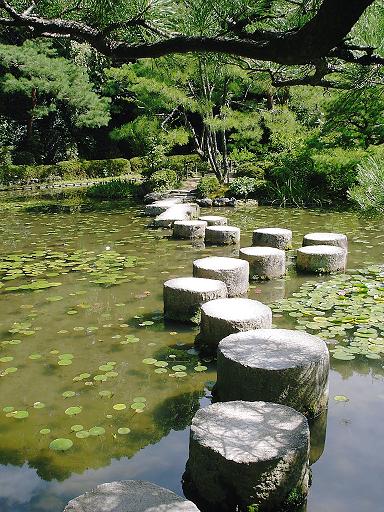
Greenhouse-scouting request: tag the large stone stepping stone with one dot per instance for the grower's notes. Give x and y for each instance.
(185, 211)
(247, 453)
(158, 207)
(284, 366)
(321, 259)
(222, 235)
(130, 496)
(222, 317)
(337, 239)
(264, 262)
(214, 220)
(184, 296)
(272, 237)
(189, 229)
(233, 272)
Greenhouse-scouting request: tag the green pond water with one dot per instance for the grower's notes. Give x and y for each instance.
(86, 357)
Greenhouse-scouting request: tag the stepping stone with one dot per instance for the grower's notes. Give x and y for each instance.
(337, 239)
(222, 317)
(187, 229)
(283, 366)
(158, 207)
(222, 235)
(264, 262)
(233, 272)
(321, 259)
(273, 237)
(184, 296)
(184, 211)
(130, 496)
(244, 454)
(214, 220)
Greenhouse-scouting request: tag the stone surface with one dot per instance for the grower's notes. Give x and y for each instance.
(222, 317)
(184, 296)
(321, 258)
(187, 229)
(130, 496)
(283, 366)
(222, 235)
(155, 196)
(214, 220)
(224, 201)
(233, 272)
(273, 237)
(185, 211)
(264, 262)
(205, 202)
(337, 239)
(158, 207)
(246, 453)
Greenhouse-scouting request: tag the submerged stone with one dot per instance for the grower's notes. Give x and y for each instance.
(244, 454)
(184, 296)
(233, 272)
(283, 366)
(130, 496)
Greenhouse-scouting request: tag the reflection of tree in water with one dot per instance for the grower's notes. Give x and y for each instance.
(176, 413)
(318, 430)
(360, 365)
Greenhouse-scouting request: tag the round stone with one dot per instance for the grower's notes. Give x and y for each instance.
(222, 317)
(184, 296)
(233, 272)
(187, 229)
(321, 258)
(244, 454)
(264, 262)
(158, 207)
(130, 496)
(222, 235)
(283, 366)
(273, 237)
(214, 220)
(337, 239)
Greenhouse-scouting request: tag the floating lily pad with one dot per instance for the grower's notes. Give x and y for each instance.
(68, 394)
(20, 415)
(123, 431)
(39, 405)
(149, 360)
(72, 411)
(61, 444)
(77, 428)
(83, 434)
(97, 431)
(341, 398)
(45, 431)
(119, 407)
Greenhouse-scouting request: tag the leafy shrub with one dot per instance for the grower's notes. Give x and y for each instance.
(243, 187)
(181, 164)
(368, 194)
(208, 186)
(161, 181)
(250, 170)
(112, 190)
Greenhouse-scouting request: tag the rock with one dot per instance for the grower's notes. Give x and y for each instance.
(224, 201)
(283, 366)
(337, 239)
(188, 229)
(185, 211)
(222, 317)
(244, 454)
(205, 202)
(214, 220)
(130, 496)
(321, 259)
(184, 296)
(264, 262)
(154, 196)
(158, 207)
(233, 272)
(273, 237)
(222, 235)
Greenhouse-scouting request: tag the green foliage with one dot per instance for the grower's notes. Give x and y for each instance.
(208, 186)
(242, 188)
(368, 194)
(161, 181)
(112, 190)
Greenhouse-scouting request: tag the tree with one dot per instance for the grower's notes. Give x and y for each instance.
(36, 84)
(286, 32)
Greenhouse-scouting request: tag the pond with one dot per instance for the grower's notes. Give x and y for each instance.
(86, 357)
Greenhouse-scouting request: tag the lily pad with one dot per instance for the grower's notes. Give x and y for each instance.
(61, 444)
(72, 411)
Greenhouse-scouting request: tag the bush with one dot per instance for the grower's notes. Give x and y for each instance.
(243, 187)
(250, 170)
(161, 181)
(112, 190)
(368, 194)
(181, 164)
(208, 186)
